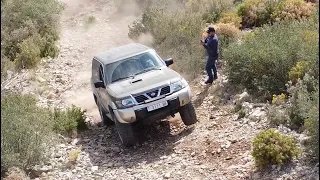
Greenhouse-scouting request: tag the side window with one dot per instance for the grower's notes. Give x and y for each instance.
(94, 69)
(96, 74)
(101, 73)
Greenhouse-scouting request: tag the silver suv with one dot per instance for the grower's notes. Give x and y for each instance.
(131, 84)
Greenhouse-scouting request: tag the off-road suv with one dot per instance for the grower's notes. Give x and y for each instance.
(131, 83)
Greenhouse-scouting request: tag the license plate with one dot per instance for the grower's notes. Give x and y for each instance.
(157, 106)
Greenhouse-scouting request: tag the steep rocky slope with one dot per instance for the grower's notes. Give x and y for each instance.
(217, 147)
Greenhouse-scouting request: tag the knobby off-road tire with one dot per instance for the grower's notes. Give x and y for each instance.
(125, 132)
(105, 119)
(188, 114)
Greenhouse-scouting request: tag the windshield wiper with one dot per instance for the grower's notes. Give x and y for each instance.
(131, 76)
(149, 69)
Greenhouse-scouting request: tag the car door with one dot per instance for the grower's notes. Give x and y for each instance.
(103, 93)
(95, 76)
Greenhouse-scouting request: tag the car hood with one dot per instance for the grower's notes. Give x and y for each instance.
(143, 82)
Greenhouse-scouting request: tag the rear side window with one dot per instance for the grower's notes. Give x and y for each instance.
(95, 69)
(100, 73)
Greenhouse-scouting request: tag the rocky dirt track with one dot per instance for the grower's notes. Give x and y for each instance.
(217, 147)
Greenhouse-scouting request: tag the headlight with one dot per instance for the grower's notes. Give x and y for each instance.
(178, 85)
(125, 103)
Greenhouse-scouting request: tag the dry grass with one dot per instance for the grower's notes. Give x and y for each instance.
(293, 9)
(74, 155)
(231, 18)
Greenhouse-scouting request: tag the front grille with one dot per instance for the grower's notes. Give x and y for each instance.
(165, 90)
(153, 94)
(141, 98)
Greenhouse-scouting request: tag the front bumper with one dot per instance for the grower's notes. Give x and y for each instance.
(139, 112)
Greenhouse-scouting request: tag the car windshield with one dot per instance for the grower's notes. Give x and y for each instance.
(132, 66)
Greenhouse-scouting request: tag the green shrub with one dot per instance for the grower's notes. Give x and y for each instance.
(294, 111)
(270, 47)
(211, 10)
(48, 46)
(175, 35)
(146, 24)
(21, 21)
(69, 120)
(227, 34)
(6, 65)
(298, 71)
(278, 116)
(29, 55)
(312, 122)
(278, 111)
(256, 13)
(309, 51)
(305, 105)
(295, 114)
(231, 17)
(136, 29)
(25, 129)
(272, 148)
(278, 99)
(298, 100)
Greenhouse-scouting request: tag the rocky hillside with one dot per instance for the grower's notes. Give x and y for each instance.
(217, 147)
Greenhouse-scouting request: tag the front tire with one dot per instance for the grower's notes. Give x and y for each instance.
(188, 114)
(104, 118)
(125, 132)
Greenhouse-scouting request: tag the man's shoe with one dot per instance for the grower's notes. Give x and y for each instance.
(208, 82)
(215, 77)
(205, 84)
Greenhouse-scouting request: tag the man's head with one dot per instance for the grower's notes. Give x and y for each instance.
(211, 31)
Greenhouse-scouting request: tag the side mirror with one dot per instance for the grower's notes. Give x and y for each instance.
(99, 84)
(169, 62)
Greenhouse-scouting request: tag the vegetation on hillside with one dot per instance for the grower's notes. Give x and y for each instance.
(26, 129)
(29, 30)
(274, 59)
(273, 148)
(269, 46)
(177, 34)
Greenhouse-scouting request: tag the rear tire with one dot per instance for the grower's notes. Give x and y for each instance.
(188, 114)
(125, 132)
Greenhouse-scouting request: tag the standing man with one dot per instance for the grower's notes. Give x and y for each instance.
(211, 44)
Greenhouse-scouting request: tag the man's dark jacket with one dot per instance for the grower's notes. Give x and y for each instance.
(212, 46)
